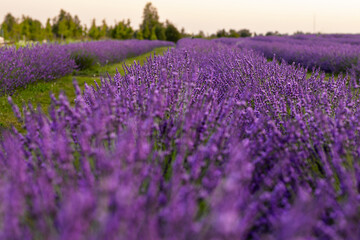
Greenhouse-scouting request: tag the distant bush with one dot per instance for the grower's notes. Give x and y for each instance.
(83, 59)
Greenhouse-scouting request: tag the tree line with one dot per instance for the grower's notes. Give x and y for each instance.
(68, 27)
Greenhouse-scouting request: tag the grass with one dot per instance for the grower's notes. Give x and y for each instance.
(38, 93)
(98, 71)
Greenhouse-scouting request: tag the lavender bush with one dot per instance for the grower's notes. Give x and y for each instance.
(330, 53)
(19, 67)
(205, 142)
(111, 51)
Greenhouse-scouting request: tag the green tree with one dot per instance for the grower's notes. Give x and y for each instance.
(139, 35)
(153, 35)
(244, 33)
(77, 29)
(86, 30)
(11, 27)
(122, 30)
(94, 32)
(171, 32)
(16, 32)
(2, 34)
(298, 33)
(36, 30)
(184, 34)
(150, 21)
(221, 33)
(65, 26)
(25, 28)
(104, 29)
(47, 31)
(61, 18)
(270, 33)
(146, 32)
(63, 30)
(201, 34)
(160, 32)
(233, 33)
(31, 29)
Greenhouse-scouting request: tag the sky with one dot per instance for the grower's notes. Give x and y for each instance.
(260, 16)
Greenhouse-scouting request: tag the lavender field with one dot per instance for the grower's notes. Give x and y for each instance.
(332, 53)
(20, 67)
(208, 141)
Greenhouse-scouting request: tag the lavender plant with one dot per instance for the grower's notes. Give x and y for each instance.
(205, 142)
(112, 51)
(19, 67)
(331, 53)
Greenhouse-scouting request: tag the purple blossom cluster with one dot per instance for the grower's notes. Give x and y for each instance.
(330, 53)
(19, 67)
(204, 142)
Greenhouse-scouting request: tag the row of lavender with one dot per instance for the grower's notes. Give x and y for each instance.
(19, 67)
(205, 142)
(330, 53)
(111, 51)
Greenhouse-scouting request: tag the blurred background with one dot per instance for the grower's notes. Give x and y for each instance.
(73, 20)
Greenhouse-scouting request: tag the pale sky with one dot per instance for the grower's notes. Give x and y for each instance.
(260, 16)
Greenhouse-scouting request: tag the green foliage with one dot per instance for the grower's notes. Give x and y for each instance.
(76, 28)
(48, 31)
(139, 35)
(160, 32)
(66, 26)
(232, 33)
(94, 31)
(31, 29)
(150, 21)
(3, 30)
(84, 60)
(221, 33)
(245, 33)
(201, 34)
(276, 33)
(11, 28)
(104, 30)
(63, 30)
(146, 32)
(171, 32)
(153, 35)
(122, 30)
